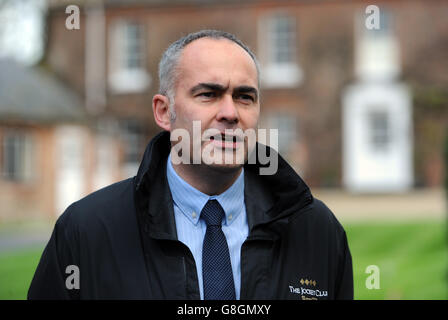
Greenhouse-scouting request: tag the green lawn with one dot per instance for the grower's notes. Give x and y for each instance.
(16, 271)
(412, 260)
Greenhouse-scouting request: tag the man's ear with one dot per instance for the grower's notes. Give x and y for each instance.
(161, 110)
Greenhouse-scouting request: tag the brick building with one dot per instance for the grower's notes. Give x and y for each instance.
(40, 120)
(319, 64)
(310, 53)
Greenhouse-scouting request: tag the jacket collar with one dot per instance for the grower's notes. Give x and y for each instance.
(156, 152)
(153, 199)
(269, 197)
(273, 198)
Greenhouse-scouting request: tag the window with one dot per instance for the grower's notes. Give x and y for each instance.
(278, 51)
(282, 39)
(379, 126)
(385, 26)
(127, 58)
(132, 46)
(377, 50)
(134, 142)
(17, 156)
(286, 124)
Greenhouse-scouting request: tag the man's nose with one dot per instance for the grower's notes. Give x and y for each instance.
(228, 110)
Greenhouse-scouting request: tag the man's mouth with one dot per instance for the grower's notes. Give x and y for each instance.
(226, 141)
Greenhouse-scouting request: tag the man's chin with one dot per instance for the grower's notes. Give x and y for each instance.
(229, 161)
(225, 168)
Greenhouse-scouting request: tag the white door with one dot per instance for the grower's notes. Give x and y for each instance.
(377, 138)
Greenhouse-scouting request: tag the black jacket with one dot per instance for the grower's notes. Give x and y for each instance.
(123, 240)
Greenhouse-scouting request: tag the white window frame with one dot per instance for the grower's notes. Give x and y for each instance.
(122, 77)
(377, 54)
(274, 73)
(134, 141)
(23, 148)
(287, 125)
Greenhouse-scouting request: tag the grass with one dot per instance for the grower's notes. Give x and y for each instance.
(16, 272)
(412, 259)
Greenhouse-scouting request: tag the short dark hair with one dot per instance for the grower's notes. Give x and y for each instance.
(170, 58)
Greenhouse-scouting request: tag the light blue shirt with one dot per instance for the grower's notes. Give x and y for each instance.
(188, 204)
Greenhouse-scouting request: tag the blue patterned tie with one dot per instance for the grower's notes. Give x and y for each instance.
(216, 267)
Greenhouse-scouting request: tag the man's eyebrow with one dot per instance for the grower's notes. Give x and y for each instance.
(209, 86)
(221, 88)
(246, 89)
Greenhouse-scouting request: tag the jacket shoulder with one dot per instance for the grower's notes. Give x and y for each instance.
(103, 205)
(323, 216)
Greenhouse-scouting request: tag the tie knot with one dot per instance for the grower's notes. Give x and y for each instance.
(212, 213)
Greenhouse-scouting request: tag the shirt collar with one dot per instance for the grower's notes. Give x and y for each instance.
(191, 201)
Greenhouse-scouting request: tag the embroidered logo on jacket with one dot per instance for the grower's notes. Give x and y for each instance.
(308, 289)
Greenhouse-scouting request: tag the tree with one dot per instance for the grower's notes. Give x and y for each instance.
(21, 29)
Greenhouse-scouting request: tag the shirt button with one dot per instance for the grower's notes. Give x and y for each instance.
(230, 217)
(193, 215)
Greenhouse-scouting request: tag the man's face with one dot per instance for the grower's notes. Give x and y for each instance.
(217, 84)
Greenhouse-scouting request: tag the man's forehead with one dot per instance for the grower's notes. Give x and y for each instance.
(218, 61)
(207, 53)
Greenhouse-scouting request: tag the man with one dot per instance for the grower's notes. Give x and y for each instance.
(200, 223)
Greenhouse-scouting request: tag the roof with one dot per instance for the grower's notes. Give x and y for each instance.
(32, 94)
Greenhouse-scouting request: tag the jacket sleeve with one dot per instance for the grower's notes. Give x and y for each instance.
(344, 288)
(49, 281)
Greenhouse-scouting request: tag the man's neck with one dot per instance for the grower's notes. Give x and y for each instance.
(208, 180)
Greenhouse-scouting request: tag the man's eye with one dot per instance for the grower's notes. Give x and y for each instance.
(207, 94)
(246, 97)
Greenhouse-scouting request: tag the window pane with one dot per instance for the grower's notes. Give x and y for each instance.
(133, 46)
(134, 140)
(133, 62)
(282, 39)
(283, 25)
(282, 56)
(129, 46)
(282, 42)
(14, 153)
(133, 31)
(10, 155)
(379, 130)
(286, 124)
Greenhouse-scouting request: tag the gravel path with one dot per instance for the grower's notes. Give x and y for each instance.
(13, 237)
(414, 205)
